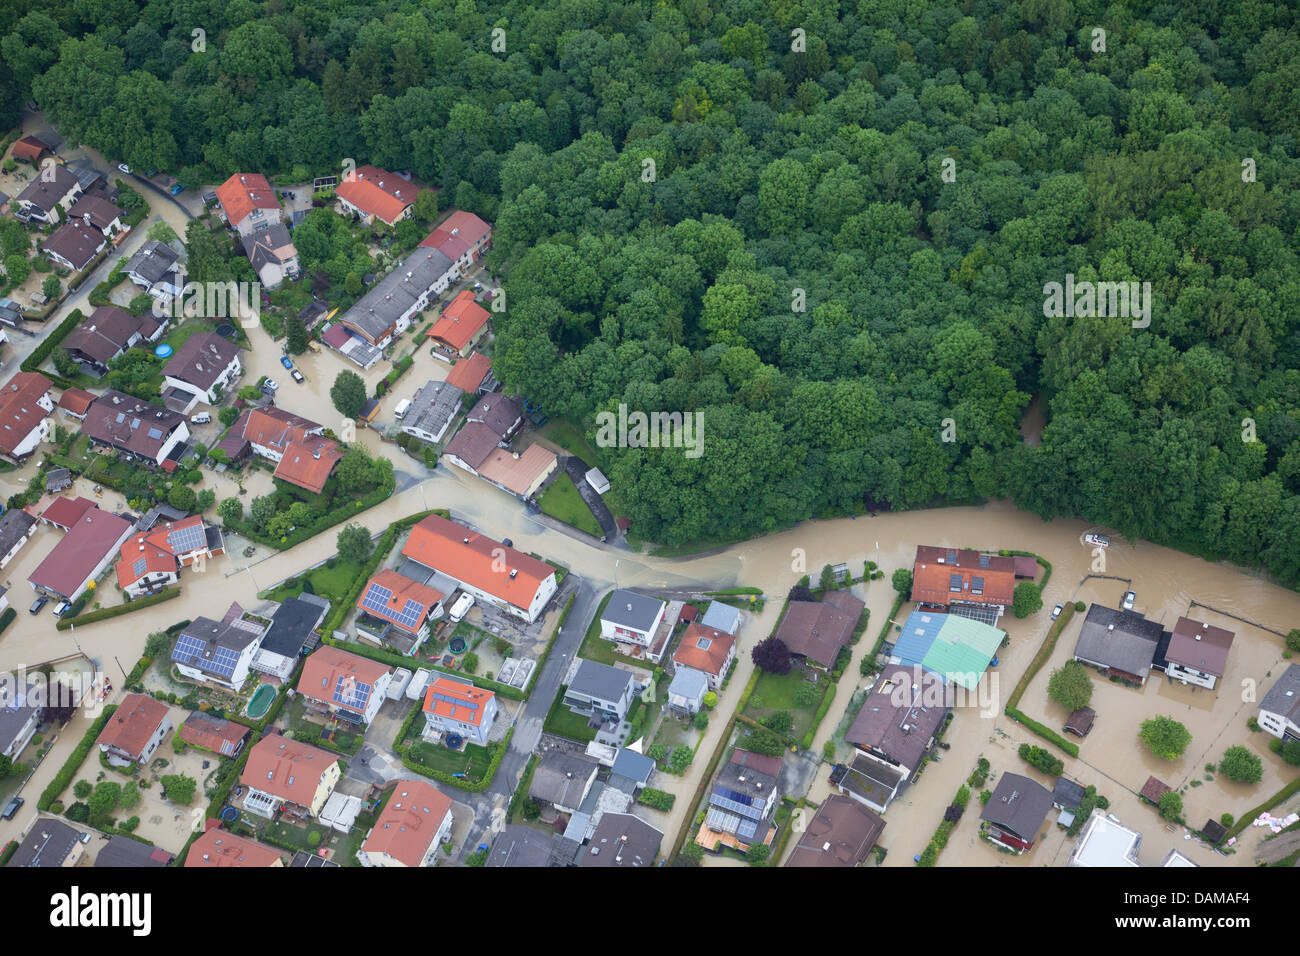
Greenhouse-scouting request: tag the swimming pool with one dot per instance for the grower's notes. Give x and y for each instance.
(261, 701)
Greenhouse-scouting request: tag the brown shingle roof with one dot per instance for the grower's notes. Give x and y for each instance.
(19, 413)
(889, 708)
(1154, 789)
(130, 423)
(816, 630)
(841, 833)
(133, 723)
(1199, 646)
(201, 359)
(75, 242)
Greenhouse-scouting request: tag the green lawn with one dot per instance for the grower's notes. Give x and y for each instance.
(565, 723)
(297, 836)
(570, 439)
(775, 692)
(181, 334)
(308, 727)
(471, 760)
(562, 502)
(594, 647)
(331, 583)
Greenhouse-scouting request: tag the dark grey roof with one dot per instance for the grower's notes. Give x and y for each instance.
(1019, 805)
(214, 634)
(750, 781)
(48, 844)
(201, 359)
(637, 767)
(629, 609)
(622, 840)
(435, 404)
(123, 851)
(1129, 647)
(292, 624)
(55, 479)
(1068, 794)
(13, 525)
(303, 858)
(599, 680)
(158, 512)
(520, 846)
(1284, 696)
(45, 195)
(152, 261)
(397, 292)
(498, 412)
(562, 778)
(261, 246)
(14, 714)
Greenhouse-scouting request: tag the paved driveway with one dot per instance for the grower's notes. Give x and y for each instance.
(577, 469)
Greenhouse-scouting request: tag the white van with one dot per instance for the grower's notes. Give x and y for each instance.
(402, 406)
(461, 607)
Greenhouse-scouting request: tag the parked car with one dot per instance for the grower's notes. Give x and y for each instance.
(1130, 599)
(286, 361)
(125, 168)
(1056, 611)
(461, 607)
(39, 603)
(297, 376)
(178, 188)
(202, 418)
(1098, 539)
(12, 808)
(62, 609)
(270, 386)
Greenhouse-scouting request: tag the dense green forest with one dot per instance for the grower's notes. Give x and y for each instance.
(1165, 154)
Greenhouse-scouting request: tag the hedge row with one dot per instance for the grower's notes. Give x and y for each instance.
(1042, 657)
(75, 760)
(884, 631)
(1046, 733)
(477, 787)
(139, 604)
(656, 799)
(137, 672)
(1246, 818)
(321, 524)
(822, 708)
(521, 791)
(930, 855)
(39, 354)
(7, 618)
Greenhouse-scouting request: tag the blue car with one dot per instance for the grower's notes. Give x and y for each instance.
(286, 361)
(178, 188)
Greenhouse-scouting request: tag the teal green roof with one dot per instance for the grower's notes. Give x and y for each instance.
(962, 650)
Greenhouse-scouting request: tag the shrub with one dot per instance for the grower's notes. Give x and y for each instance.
(1165, 737)
(962, 797)
(657, 752)
(1070, 686)
(680, 758)
(986, 796)
(1171, 805)
(711, 699)
(130, 825)
(313, 838)
(1227, 819)
(78, 813)
(758, 854)
(901, 579)
(781, 722)
(82, 789)
(1293, 639)
(806, 695)
(657, 799)
(771, 655)
(1042, 759)
(1242, 765)
(180, 788)
(702, 720)
(1027, 599)
(828, 751)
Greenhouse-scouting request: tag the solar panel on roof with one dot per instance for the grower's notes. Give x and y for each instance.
(155, 433)
(187, 649)
(954, 582)
(138, 568)
(351, 692)
(184, 540)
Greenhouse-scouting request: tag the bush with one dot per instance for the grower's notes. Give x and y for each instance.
(1042, 759)
(1027, 599)
(1293, 639)
(772, 655)
(901, 579)
(680, 758)
(711, 698)
(1080, 607)
(758, 854)
(130, 825)
(180, 788)
(986, 796)
(313, 838)
(656, 799)
(1165, 737)
(658, 753)
(1171, 805)
(81, 789)
(806, 695)
(702, 720)
(78, 813)
(828, 751)
(1242, 765)
(1227, 819)
(1070, 686)
(781, 722)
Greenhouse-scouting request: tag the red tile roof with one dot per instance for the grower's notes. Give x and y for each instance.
(402, 589)
(65, 512)
(137, 549)
(477, 560)
(222, 848)
(322, 671)
(287, 769)
(96, 534)
(460, 321)
(932, 580)
(377, 192)
(409, 822)
(708, 659)
(308, 463)
(212, 733)
(468, 374)
(132, 724)
(29, 148)
(242, 193)
(467, 703)
(460, 226)
(76, 400)
(19, 413)
(275, 428)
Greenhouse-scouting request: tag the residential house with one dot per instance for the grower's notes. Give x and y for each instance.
(155, 268)
(842, 833)
(1197, 653)
(432, 410)
(76, 402)
(371, 193)
(630, 771)
(1279, 711)
(122, 851)
(460, 327)
(20, 713)
(622, 840)
(494, 573)
(74, 245)
(30, 149)
(99, 213)
(707, 651)
(522, 846)
(48, 195)
(79, 558)
(1014, 815)
(453, 706)
(309, 463)
(1121, 643)
(50, 843)
(462, 237)
(387, 308)
(219, 652)
(15, 531)
(742, 803)
(57, 479)
(25, 405)
(631, 618)
(64, 513)
(216, 734)
(964, 582)
(220, 848)
(473, 375)
(134, 731)
(106, 334)
(894, 730)
(1105, 842)
(720, 616)
(563, 780)
(202, 369)
(344, 685)
(601, 692)
(502, 414)
(686, 691)
(273, 255)
(270, 431)
(818, 630)
(248, 203)
(152, 560)
(957, 648)
(291, 635)
(351, 345)
(141, 429)
(288, 775)
(414, 823)
(520, 473)
(396, 610)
